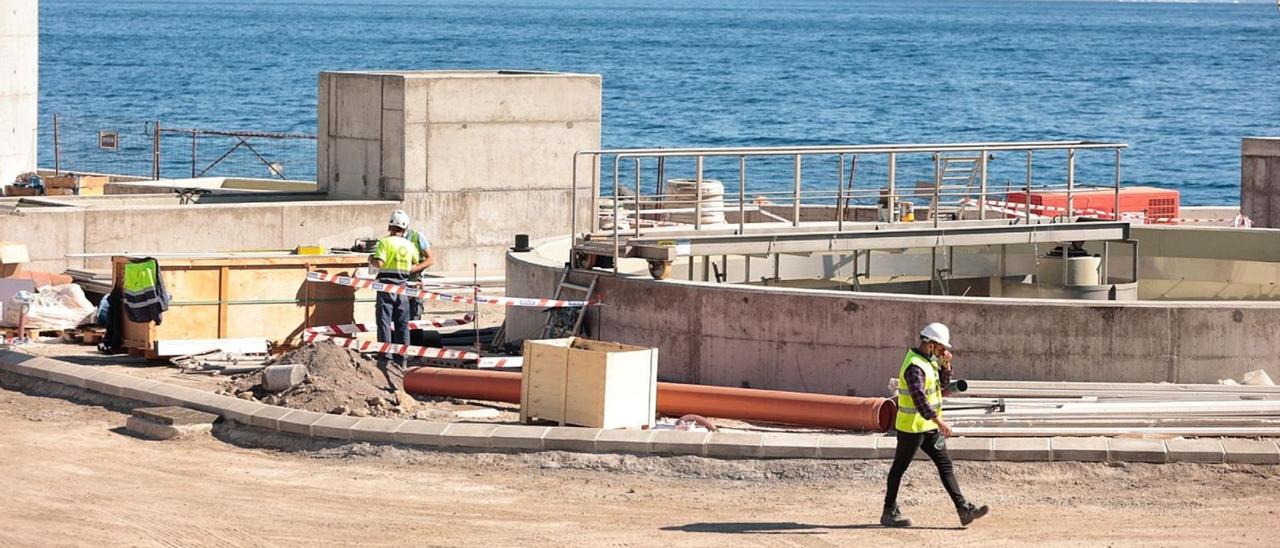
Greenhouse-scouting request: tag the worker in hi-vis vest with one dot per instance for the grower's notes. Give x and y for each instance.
(395, 259)
(922, 378)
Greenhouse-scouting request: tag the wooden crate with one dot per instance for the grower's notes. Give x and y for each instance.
(589, 383)
(15, 190)
(249, 295)
(82, 185)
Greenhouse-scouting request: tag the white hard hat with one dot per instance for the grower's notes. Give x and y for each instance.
(399, 219)
(937, 332)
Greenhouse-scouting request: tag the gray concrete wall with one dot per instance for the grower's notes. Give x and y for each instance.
(51, 233)
(837, 342)
(475, 156)
(1260, 180)
(19, 81)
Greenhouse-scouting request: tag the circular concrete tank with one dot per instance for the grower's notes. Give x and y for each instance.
(1203, 311)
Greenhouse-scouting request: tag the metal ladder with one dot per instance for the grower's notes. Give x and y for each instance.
(957, 173)
(567, 322)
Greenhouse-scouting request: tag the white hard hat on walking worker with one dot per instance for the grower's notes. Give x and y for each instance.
(937, 332)
(399, 219)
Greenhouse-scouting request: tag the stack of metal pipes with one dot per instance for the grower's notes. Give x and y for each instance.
(1037, 409)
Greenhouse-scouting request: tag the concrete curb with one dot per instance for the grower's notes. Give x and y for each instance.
(644, 442)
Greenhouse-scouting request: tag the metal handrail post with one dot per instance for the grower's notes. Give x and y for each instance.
(573, 203)
(57, 147)
(155, 153)
(1071, 180)
(595, 191)
(637, 221)
(840, 195)
(1115, 211)
(893, 192)
(982, 188)
(617, 170)
(1027, 195)
(795, 198)
(697, 196)
(742, 195)
(937, 182)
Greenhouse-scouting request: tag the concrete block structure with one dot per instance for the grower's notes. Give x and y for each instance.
(475, 156)
(19, 84)
(1260, 180)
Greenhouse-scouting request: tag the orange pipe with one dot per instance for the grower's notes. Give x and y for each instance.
(674, 399)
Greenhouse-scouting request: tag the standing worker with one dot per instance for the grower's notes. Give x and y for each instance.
(423, 246)
(395, 259)
(924, 374)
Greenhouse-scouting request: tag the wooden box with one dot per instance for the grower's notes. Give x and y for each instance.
(82, 185)
(241, 295)
(589, 383)
(15, 190)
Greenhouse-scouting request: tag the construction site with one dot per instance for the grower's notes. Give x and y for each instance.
(631, 347)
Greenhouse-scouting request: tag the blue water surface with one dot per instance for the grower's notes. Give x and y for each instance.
(1181, 83)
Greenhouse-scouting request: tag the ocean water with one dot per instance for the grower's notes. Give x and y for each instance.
(1181, 83)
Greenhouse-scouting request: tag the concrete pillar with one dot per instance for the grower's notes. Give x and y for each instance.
(1260, 180)
(475, 156)
(19, 78)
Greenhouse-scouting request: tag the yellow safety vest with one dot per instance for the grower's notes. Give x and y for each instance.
(398, 256)
(909, 420)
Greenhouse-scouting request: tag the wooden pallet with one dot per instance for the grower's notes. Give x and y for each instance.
(30, 333)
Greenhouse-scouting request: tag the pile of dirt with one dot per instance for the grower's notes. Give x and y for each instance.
(339, 380)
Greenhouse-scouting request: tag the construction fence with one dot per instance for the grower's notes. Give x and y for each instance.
(157, 150)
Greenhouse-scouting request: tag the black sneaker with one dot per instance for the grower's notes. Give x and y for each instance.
(891, 517)
(969, 512)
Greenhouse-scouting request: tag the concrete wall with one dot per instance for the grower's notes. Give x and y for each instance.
(51, 233)
(1260, 180)
(837, 342)
(19, 80)
(476, 157)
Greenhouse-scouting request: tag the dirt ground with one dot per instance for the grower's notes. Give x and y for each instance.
(73, 476)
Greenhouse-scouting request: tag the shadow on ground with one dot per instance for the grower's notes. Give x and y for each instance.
(777, 527)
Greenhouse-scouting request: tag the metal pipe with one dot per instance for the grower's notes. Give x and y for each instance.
(937, 182)
(617, 166)
(795, 204)
(155, 153)
(675, 399)
(1027, 195)
(573, 204)
(742, 194)
(893, 178)
(1115, 212)
(840, 195)
(1071, 180)
(982, 188)
(57, 147)
(697, 195)
(637, 161)
(193, 154)
(858, 149)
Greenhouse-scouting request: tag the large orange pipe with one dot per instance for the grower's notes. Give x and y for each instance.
(674, 399)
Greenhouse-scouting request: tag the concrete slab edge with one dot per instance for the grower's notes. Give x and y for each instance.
(531, 438)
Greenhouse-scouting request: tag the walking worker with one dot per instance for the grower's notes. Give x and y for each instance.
(925, 372)
(395, 259)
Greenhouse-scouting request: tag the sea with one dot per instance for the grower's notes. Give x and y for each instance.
(1180, 83)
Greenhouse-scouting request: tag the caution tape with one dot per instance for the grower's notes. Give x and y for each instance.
(432, 295)
(353, 328)
(492, 362)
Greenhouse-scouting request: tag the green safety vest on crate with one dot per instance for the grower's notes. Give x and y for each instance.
(145, 299)
(909, 420)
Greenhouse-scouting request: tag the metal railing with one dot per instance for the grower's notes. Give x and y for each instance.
(629, 206)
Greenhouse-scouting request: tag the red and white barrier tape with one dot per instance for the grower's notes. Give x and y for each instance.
(496, 362)
(353, 328)
(428, 294)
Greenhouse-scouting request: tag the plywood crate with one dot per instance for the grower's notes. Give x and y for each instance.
(83, 185)
(589, 383)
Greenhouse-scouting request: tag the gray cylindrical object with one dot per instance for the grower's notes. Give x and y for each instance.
(683, 194)
(278, 378)
(958, 385)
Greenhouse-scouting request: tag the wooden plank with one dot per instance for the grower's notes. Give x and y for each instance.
(182, 347)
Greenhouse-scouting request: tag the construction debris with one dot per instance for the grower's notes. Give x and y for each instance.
(337, 380)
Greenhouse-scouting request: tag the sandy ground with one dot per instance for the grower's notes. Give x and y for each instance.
(74, 477)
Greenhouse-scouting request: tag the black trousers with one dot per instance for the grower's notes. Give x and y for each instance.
(934, 444)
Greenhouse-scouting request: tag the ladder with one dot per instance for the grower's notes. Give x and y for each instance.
(567, 322)
(956, 173)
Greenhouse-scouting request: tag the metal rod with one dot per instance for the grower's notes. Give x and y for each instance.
(777, 266)
(637, 220)
(724, 268)
(742, 194)
(795, 195)
(933, 267)
(660, 183)
(193, 154)
(937, 182)
(1071, 181)
(893, 195)
(155, 153)
(840, 195)
(595, 194)
(706, 268)
(1106, 262)
(1027, 195)
(697, 194)
(1115, 212)
(573, 205)
(617, 166)
(982, 188)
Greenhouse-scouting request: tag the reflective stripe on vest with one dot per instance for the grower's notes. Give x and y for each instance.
(398, 256)
(909, 419)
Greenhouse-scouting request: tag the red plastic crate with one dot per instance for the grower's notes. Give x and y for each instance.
(1157, 205)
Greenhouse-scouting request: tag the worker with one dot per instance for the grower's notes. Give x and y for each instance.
(424, 250)
(395, 259)
(924, 373)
